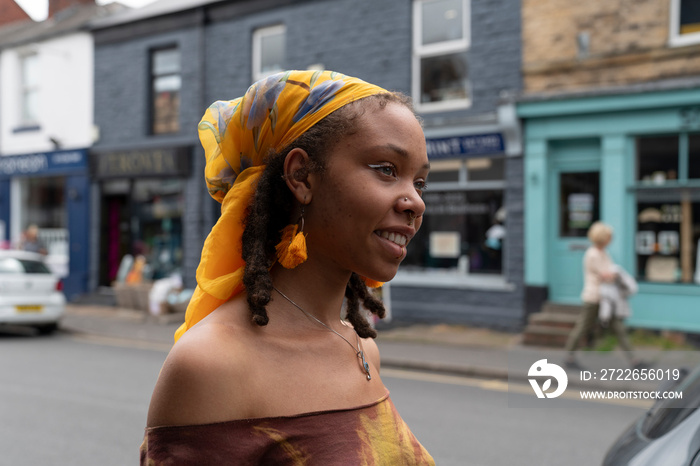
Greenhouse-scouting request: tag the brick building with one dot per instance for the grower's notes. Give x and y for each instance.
(612, 132)
(46, 126)
(158, 68)
(573, 46)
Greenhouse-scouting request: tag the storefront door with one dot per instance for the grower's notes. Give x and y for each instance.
(575, 200)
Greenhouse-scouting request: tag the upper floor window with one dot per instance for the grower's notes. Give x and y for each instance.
(268, 50)
(29, 79)
(440, 43)
(166, 82)
(685, 22)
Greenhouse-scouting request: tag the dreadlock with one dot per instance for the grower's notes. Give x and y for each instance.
(273, 202)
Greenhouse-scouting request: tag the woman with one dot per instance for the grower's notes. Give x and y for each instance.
(320, 176)
(598, 268)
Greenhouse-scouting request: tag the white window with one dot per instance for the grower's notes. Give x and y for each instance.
(685, 22)
(166, 82)
(29, 79)
(268, 50)
(440, 42)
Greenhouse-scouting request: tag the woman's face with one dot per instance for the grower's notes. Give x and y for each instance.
(604, 241)
(366, 205)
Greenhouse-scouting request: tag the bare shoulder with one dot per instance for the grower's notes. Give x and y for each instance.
(198, 377)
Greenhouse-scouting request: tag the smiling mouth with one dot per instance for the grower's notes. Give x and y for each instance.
(396, 238)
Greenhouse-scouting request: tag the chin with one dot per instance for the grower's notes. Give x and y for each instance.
(384, 276)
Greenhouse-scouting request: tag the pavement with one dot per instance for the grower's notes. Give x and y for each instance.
(445, 349)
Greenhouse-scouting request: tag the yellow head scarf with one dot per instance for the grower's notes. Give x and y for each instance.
(236, 136)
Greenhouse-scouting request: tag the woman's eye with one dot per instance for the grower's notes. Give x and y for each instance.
(388, 170)
(420, 186)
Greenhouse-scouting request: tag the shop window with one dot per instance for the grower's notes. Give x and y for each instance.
(462, 231)
(29, 111)
(166, 82)
(440, 42)
(268, 50)
(657, 159)
(685, 22)
(156, 224)
(668, 214)
(43, 202)
(142, 218)
(668, 231)
(464, 225)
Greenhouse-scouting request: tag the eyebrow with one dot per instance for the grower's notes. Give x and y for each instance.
(401, 151)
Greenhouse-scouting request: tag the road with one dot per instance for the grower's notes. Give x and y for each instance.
(464, 421)
(79, 400)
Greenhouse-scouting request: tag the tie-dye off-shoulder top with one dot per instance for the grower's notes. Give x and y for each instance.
(371, 435)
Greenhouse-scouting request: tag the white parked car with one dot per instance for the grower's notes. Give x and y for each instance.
(29, 293)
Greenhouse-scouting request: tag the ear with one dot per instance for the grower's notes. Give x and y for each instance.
(296, 173)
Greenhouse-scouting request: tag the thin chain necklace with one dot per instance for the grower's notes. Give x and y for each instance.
(358, 351)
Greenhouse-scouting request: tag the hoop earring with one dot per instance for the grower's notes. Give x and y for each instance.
(411, 218)
(291, 250)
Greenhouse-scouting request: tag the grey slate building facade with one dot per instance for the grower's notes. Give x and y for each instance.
(459, 59)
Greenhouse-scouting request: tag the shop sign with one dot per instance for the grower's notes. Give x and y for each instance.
(465, 146)
(146, 162)
(44, 163)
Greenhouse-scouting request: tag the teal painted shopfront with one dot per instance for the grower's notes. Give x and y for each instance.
(632, 160)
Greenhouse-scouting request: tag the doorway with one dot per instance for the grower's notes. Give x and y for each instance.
(575, 200)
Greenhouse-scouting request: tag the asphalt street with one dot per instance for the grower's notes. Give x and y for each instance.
(81, 399)
(83, 394)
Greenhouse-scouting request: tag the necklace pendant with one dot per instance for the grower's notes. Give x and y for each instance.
(360, 353)
(365, 366)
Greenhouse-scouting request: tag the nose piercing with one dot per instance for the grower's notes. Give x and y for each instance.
(405, 199)
(411, 218)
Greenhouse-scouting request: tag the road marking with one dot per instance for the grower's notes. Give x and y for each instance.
(120, 342)
(500, 386)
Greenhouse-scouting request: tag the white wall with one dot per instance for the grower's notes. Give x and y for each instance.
(65, 95)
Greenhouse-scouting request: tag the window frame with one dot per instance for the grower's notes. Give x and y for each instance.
(256, 53)
(675, 38)
(421, 51)
(152, 79)
(462, 185)
(684, 187)
(26, 90)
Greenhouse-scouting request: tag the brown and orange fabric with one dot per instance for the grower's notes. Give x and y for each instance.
(237, 135)
(372, 435)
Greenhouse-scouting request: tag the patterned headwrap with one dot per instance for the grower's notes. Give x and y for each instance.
(236, 136)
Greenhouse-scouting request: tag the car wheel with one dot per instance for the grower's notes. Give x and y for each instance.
(47, 329)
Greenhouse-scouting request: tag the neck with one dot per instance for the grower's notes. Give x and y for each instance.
(319, 295)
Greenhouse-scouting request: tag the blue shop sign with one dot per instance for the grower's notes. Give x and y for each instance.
(465, 146)
(44, 163)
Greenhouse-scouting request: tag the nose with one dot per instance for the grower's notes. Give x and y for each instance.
(411, 203)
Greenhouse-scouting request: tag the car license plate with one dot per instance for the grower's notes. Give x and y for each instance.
(29, 308)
